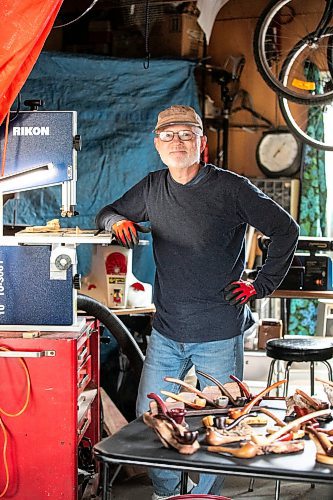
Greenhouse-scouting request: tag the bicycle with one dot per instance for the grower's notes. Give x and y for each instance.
(285, 32)
(298, 115)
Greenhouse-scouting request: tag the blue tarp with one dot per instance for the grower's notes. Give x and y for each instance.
(117, 102)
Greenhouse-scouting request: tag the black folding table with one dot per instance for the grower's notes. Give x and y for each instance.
(137, 444)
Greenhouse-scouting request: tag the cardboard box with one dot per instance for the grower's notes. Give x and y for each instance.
(177, 35)
(269, 329)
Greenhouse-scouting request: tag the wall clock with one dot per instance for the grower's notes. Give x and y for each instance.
(279, 153)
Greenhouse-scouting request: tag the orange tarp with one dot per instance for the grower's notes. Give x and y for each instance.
(24, 27)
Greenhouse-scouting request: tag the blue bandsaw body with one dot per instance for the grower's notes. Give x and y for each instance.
(29, 294)
(36, 280)
(37, 138)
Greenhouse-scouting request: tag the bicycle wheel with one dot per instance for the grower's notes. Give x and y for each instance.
(285, 27)
(308, 121)
(297, 117)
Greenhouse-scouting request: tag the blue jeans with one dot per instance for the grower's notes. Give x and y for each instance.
(165, 357)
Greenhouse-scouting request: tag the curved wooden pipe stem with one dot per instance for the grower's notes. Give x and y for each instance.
(224, 391)
(190, 388)
(237, 412)
(162, 408)
(324, 445)
(308, 399)
(177, 397)
(233, 424)
(243, 389)
(270, 414)
(296, 423)
(182, 435)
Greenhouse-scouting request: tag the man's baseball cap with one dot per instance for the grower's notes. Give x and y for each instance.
(178, 115)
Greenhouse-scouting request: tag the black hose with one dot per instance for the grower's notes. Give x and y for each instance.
(116, 327)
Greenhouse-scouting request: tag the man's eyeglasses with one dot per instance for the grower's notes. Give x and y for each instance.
(184, 135)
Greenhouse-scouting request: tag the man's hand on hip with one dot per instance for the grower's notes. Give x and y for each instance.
(239, 292)
(126, 232)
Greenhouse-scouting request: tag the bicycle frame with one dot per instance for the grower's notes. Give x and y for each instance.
(324, 21)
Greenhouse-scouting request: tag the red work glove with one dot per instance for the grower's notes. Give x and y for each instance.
(239, 292)
(126, 232)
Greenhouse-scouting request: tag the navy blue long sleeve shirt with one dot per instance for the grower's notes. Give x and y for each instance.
(198, 232)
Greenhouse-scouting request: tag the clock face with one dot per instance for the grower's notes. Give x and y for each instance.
(278, 154)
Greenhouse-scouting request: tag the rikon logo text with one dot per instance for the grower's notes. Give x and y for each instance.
(31, 130)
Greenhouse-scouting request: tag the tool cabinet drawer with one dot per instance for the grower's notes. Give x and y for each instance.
(84, 375)
(83, 352)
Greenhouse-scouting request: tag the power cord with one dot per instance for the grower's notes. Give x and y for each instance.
(18, 413)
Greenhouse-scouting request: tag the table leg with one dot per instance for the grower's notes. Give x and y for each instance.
(183, 482)
(107, 481)
(277, 489)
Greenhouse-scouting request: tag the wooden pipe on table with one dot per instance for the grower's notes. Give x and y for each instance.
(295, 423)
(247, 450)
(270, 414)
(218, 384)
(178, 397)
(237, 412)
(324, 446)
(181, 434)
(220, 422)
(251, 449)
(190, 388)
(259, 445)
(309, 400)
(243, 389)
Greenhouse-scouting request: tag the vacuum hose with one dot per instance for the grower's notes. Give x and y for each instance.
(116, 327)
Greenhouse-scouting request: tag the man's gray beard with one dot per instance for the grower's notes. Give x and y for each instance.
(182, 165)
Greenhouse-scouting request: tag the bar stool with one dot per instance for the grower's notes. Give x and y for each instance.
(296, 350)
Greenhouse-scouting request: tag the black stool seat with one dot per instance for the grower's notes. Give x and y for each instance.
(303, 349)
(296, 350)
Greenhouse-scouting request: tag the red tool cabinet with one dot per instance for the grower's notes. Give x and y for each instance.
(43, 441)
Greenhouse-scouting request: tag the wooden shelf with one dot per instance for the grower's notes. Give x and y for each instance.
(302, 294)
(135, 310)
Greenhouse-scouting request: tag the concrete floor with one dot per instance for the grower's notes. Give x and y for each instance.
(235, 487)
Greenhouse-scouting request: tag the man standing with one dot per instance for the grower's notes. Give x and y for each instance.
(198, 215)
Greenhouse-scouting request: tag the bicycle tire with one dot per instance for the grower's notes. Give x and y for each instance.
(298, 127)
(296, 116)
(263, 56)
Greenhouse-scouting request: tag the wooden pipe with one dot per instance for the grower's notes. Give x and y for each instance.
(325, 443)
(324, 446)
(216, 438)
(181, 434)
(248, 450)
(276, 435)
(178, 397)
(312, 402)
(237, 412)
(328, 432)
(190, 388)
(220, 421)
(243, 389)
(162, 408)
(270, 414)
(224, 391)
